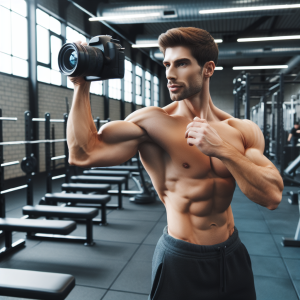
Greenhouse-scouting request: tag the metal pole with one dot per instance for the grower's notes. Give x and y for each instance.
(247, 106)
(33, 84)
(53, 146)
(2, 197)
(280, 123)
(28, 129)
(48, 154)
(67, 168)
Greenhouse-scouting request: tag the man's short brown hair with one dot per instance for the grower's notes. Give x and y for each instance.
(199, 41)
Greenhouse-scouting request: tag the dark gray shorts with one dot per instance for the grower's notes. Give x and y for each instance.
(185, 271)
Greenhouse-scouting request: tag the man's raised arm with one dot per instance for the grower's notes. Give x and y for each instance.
(115, 143)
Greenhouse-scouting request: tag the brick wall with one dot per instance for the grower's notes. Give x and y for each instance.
(52, 99)
(114, 109)
(128, 109)
(14, 101)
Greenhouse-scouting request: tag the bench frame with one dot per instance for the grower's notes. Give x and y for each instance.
(10, 247)
(88, 240)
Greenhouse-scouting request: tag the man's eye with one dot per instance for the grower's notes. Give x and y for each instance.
(182, 64)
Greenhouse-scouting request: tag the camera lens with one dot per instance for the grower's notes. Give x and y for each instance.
(73, 59)
(80, 60)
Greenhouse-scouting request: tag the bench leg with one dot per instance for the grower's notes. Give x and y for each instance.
(103, 215)
(120, 206)
(89, 233)
(127, 183)
(9, 245)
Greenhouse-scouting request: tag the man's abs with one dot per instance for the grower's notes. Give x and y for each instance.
(204, 217)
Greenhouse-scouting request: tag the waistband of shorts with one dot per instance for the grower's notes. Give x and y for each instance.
(183, 248)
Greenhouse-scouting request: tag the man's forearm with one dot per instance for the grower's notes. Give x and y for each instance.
(81, 129)
(262, 185)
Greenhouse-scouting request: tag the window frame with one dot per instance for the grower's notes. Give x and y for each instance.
(27, 60)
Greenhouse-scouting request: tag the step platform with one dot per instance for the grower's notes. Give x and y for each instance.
(63, 212)
(35, 285)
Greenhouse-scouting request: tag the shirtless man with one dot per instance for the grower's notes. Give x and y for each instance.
(194, 153)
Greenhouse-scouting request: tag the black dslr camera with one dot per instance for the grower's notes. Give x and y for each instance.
(102, 59)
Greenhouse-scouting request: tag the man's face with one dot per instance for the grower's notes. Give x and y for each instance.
(183, 73)
(296, 126)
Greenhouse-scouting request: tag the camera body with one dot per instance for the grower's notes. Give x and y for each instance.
(103, 58)
(114, 58)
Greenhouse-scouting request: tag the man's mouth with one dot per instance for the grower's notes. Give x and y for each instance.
(174, 87)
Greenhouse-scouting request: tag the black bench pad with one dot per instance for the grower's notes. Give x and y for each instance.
(78, 198)
(37, 226)
(60, 212)
(86, 187)
(106, 172)
(35, 285)
(103, 179)
(119, 168)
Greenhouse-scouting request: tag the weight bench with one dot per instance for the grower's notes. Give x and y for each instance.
(82, 199)
(109, 173)
(119, 168)
(8, 225)
(104, 179)
(86, 188)
(35, 285)
(63, 212)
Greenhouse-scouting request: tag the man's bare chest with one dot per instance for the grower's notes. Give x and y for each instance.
(168, 142)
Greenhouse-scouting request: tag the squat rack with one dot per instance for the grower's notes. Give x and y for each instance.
(243, 92)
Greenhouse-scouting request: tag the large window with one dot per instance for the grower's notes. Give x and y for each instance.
(147, 88)
(155, 91)
(138, 85)
(114, 89)
(128, 81)
(13, 37)
(49, 42)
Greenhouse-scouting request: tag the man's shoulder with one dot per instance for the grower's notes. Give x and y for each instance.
(145, 114)
(251, 133)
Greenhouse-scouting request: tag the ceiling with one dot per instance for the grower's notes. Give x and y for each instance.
(228, 26)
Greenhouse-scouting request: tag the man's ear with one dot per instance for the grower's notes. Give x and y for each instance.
(208, 69)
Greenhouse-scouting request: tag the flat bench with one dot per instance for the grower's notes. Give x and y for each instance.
(119, 168)
(35, 285)
(104, 179)
(8, 225)
(63, 212)
(74, 199)
(86, 187)
(109, 173)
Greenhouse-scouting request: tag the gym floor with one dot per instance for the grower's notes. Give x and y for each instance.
(119, 265)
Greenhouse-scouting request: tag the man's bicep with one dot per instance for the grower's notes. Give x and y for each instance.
(117, 142)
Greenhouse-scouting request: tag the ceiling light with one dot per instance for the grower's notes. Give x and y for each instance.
(117, 17)
(260, 67)
(218, 68)
(253, 8)
(150, 45)
(145, 45)
(272, 38)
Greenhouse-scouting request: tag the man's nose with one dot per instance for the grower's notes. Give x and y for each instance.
(171, 73)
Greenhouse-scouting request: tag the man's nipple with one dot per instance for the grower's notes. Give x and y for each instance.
(186, 165)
